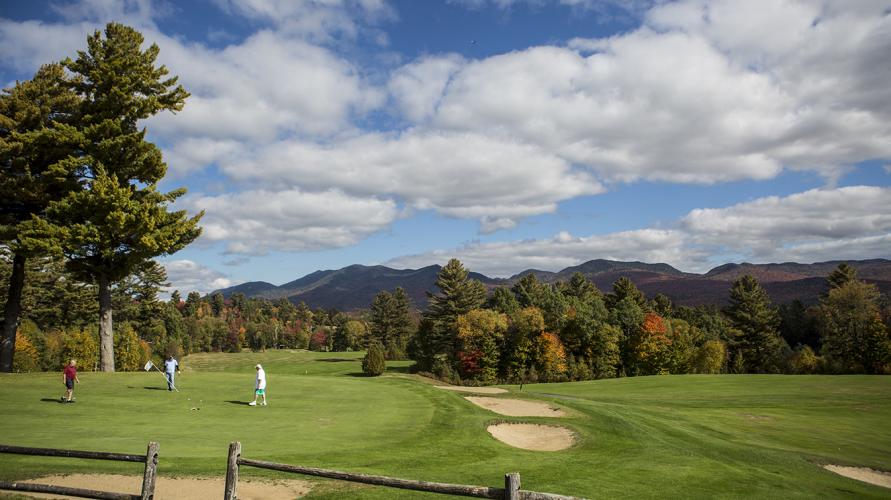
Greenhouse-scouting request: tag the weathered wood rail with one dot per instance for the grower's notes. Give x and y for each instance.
(511, 490)
(150, 459)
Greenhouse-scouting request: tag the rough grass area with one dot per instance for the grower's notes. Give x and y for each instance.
(722, 436)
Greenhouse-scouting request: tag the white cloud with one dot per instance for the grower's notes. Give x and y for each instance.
(817, 225)
(318, 21)
(504, 259)
(267, 87)
(256, 222)
(458, 175)
(188, 276)
(770, 227)
(417, 87)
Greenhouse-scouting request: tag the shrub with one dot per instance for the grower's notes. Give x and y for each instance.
(127, 352)
(710, 357)
(373, 364)
(319, 341)
(80, 345)
(26, 358)
(804, 361)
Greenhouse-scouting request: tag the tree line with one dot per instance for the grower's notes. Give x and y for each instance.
(531, 331)
(535, 331)
(80, 180)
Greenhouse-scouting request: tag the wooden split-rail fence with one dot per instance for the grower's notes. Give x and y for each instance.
(150, 459)
(511, 490)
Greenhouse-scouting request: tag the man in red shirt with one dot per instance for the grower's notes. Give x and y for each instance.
(69, 377)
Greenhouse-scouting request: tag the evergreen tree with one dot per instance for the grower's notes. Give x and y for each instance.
(840, 276)
(529, 291)
(662, 306)
(752, 315)
(458, 295)
(854, 336)
(581, 288)
(36, 168)
(625, 288)
(503, 301)
(119, 220)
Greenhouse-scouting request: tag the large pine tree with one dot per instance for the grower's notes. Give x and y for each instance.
(119, 220)
(458, 295)
(757, 320)
(37, 166)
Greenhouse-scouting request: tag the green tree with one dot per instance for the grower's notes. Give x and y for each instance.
(752, 314)
(119, 220)
(36, 141)
(373, 364)
(662, 306)
(480, 338)
(627, 315)
(458, 295)
(580, 288)
(503, 301)
(529, 291)
(854, 336)
(710, 357)
(841, 275)
(625, 288)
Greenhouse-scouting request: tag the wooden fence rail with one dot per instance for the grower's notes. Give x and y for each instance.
(150, 459)
(511, 490)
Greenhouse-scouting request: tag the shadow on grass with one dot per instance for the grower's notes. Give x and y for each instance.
(398, 369)
(356, 374)
(155, 388)
(337, 360)
(242, 403)
(51, 400)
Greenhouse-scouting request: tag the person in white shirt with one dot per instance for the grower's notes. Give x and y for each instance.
(259, 386)
(171, 367)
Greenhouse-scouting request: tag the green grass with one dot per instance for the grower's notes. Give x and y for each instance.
(649, 437)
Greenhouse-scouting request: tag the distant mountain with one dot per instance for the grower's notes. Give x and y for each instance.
(354, 287)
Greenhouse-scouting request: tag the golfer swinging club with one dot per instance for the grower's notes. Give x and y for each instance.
(260, 386)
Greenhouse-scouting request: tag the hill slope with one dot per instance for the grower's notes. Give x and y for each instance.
(354, 287)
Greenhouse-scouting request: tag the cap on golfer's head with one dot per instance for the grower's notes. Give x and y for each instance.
(258, 366)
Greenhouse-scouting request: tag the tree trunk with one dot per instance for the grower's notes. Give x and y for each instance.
(106, 335)
(11, 313)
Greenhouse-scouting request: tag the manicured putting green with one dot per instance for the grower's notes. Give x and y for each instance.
(650, 437)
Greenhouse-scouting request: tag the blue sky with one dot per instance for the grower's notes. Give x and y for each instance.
(507, 133)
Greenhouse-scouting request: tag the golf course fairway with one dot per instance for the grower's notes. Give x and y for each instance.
(691, 436)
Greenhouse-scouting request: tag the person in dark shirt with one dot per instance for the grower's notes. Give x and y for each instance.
(69, 377)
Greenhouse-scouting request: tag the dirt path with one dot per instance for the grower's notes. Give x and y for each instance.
(517, 407)
(179, 488)
(534, 437)
(865, 474)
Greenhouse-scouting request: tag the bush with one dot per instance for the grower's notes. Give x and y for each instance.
(26, 358)
(83, 346)
(373, 363)
(804, 361)
(128, 355)
(710, 358)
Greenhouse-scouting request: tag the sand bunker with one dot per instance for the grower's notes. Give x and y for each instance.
(517, 407)
(865, 474)
(472, 390)
(179, 488)
(533, 436)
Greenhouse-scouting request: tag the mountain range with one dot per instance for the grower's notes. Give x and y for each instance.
(354, 287)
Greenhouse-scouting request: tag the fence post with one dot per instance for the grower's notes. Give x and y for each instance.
(151, 466)
(512, 486)
(232, 470)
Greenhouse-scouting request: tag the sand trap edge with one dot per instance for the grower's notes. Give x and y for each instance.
(533, 437)
(472, 390)
(864, 474)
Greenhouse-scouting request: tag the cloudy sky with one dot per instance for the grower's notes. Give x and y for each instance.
(507, 133)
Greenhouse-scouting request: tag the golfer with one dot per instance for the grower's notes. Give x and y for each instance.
(69, 377)
(259, 386)
(171, 367)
